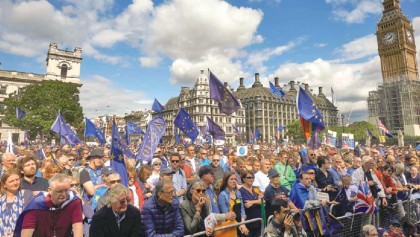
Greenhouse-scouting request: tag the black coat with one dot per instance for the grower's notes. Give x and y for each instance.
(104, 223)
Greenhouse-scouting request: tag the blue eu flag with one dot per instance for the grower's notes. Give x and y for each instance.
(118, 149)
(91, 130)
(60, 127)
(184, 122)
(132, 128)
(20, 113)
(276, 91)
(228, 104)
(215, 130)
(257, 134)
(157, 107)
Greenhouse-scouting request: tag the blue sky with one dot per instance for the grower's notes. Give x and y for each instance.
(135, 51)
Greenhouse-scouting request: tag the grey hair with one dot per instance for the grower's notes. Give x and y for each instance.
(366, 229)
(60, 178)
(399, 167)
(366, 159)
(115, 193)
(106, 179)
(160, 184)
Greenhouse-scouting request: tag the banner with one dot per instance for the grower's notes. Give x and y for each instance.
(154, 133)
(347, 140)
(242, 150)
(332, 138)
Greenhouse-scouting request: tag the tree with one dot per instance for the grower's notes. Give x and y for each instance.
(294, 130)
(357, 128)
(41, 101)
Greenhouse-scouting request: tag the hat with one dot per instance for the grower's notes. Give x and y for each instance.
(96, 153)
(167, 171)
(205, 170)
(395, 223)
(273, 173)
(107, 170)
(225, 150)
(332, 152)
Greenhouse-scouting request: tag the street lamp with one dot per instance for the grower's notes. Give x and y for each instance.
(342, 121)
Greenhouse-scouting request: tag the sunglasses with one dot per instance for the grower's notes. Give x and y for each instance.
(123, 201)
(390, 171)
(216, 160)
(71, 159)
(157, 164)
(74, 185)
(115, 181)
(175, 161)
(200, 190)
(249, 177)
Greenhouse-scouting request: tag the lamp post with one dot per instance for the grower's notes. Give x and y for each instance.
(342, 126)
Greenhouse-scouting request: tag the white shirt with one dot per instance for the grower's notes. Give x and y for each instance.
(261, 180)
(136, 197)
(192, 161)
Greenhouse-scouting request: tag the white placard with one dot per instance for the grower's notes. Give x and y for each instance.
(323, 196)
(242, 150)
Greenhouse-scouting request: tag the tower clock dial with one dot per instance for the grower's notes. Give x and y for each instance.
(410, 37)
(389, 38)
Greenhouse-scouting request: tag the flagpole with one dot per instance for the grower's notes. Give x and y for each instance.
(211, 111)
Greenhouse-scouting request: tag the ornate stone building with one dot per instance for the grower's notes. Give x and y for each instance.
(62, 65)
(397, 100)
(266, 112)
(199, 105)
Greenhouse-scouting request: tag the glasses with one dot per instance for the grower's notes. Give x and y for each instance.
(71, 159)
(65, 191)
(312, 155)
(175, 161)
(157, 164)
(249, 177)
(200, 190)
(170, 192)
(74, 185)
(123, 201)
(311, 172)
(115, 181)
(216, 160)
(390, 171)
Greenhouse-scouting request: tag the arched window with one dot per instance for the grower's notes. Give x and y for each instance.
(64, 71)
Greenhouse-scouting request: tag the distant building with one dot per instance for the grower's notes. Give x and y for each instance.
(62, 65)
(266, 112)
(397, 100)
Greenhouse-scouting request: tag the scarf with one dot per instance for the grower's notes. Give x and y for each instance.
(9, 217)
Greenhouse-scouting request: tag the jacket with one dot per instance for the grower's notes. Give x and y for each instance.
(104, 223)
(190, 216)
(159, 221)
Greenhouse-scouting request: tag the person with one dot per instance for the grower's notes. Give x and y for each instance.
(118, 217)
(357, 162)
(196, 208)
(230, 199)
(180, 181)
(252, 198)
(13, 200)
(287, 176)
(193, 162)
(395, 229)
(202, 155)
(99, 198)
(303, 191)
(136, 193)
(261, 179)
(324, 178)
(28, 167)
(155, 176)
(256, 165)
(91, 176)
(160, 213)
(57, 212)
(50, 170)
(337, 170)
(8, 162)
(282, 224)
(369, 231)
(217, 169)
(144, 174)
(311, 162)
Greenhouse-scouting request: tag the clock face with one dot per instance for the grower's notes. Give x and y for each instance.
(389, 38)
(410, 37)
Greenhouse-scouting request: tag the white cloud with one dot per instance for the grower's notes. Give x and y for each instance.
(355, 11)
(96, 98)
(359, 48)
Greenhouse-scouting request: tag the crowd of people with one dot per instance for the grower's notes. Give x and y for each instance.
(187, 189)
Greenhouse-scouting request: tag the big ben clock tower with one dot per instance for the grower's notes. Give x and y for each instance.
(396, 45)
(397, 100)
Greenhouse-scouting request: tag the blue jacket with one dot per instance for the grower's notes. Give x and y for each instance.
(224, 204)
(161, 222)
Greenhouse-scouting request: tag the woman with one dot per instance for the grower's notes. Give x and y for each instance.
(154, 178)
(251, 196)
(13, 201)
(136, 196)
(196, 208)
(50, 171)
(230, 199)
(146, 188)
(389, 186)
(324, 178)
(401, 181)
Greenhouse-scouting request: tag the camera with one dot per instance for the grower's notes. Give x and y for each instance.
(291, 213)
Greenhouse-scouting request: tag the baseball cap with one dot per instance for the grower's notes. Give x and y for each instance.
(96, 153)
(205, 170)
(107, 170)
(395, 223)
(273, 173)
(167, 171)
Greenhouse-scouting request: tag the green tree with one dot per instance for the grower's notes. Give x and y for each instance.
(294, 130)
(357, 128)
(41, 102)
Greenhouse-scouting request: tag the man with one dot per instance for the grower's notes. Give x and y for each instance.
(303, 191)
(364, 173)
(256, 165)
(57, 212)
(48, 153)
(224, 159)
(202, 155)
(193, 162)
(274, 191)
(179, 179)
(71, 161)
(160, 214)
(369, 231)
(8, 162)
(28, 167)
(90, 178)
(287, 176)
(118, 217)
(207, 176)
(336, 170)
(111, 179)
(395, 229)
(159, 154)
(311, 163)
(261, 179)
(62, 163)
(167, 174)
(357, 162)
(217, 169)
(282, 223)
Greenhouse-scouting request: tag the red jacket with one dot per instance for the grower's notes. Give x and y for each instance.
(139, 194)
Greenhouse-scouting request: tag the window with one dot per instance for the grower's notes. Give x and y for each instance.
(64, 71)
(3, 89)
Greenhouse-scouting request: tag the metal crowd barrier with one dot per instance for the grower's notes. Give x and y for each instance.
(231, 226)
